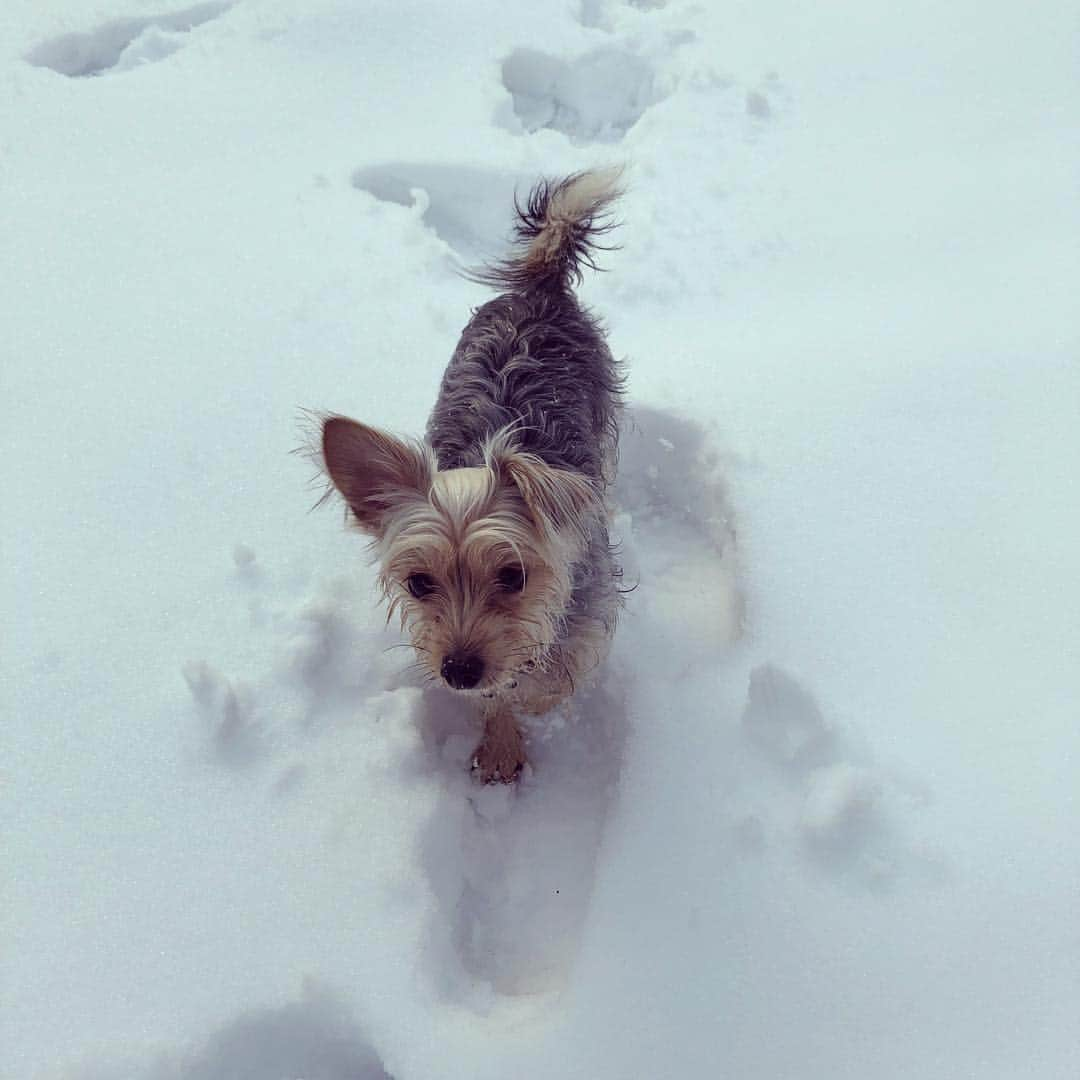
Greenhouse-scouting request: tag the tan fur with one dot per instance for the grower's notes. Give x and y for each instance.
(461, 543)
(459, 527)
(501, 753)
(567, 209)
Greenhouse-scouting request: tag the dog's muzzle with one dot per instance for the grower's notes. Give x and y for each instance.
(462, 672)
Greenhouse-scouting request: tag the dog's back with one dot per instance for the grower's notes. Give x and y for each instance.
(533, 358)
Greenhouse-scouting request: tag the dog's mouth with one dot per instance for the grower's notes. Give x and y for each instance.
(489, 685)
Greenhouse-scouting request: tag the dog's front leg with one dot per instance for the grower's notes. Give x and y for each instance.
(500, 756)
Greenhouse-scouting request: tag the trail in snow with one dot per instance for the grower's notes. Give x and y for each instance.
(815, 817)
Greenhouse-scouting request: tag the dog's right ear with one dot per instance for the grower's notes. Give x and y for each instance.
(374, 471)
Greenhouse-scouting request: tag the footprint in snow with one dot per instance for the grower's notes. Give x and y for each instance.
(324, 657)
(759, 102)
(676, 526)
(315, 1036)
(513, 867)
(465, 206)
(597, 97)
(235, 736)
(830, 800)
(124, 44)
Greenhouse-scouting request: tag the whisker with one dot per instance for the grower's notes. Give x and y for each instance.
(526, 649)
(570, 678)
(406, 645)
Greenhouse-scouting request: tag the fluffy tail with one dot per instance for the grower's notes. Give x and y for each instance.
(556, 233)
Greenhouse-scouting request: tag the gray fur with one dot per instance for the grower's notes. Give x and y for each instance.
(535, 361)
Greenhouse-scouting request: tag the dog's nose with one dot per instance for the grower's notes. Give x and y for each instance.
(462, 672)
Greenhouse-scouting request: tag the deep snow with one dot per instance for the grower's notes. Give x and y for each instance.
(818, 818)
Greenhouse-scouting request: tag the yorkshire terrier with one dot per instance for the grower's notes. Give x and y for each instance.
(491, 533)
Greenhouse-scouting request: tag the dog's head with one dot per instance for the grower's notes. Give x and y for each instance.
(476, 560)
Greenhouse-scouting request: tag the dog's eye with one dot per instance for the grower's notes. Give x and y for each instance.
(420, 585)
(511, 578)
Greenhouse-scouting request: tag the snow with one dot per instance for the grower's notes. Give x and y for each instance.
(819, 816)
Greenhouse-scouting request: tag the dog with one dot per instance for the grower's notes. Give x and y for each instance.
(491, 533)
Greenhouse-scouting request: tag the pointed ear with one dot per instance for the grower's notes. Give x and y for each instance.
(559, 501)
(374, 471)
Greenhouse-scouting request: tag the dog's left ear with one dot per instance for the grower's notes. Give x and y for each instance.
(559, 501)
(375, 472)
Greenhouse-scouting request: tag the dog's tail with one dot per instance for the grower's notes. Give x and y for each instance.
(556, 233)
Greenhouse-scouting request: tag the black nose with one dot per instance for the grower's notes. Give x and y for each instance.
(462, 672)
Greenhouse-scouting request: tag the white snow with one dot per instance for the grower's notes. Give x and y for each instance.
(819, 817)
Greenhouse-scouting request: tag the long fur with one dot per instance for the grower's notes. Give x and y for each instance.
(519, 448)
(534, 359)
(557, 231)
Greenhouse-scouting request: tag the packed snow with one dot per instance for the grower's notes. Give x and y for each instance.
(816, 818)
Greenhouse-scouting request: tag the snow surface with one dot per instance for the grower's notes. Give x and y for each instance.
(819, 817)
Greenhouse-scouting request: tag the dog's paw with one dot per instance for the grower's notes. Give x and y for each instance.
(498, 762)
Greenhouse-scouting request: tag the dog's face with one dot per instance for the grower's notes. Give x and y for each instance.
(476, 560)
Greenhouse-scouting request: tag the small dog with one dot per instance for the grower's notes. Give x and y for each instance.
(491, 533)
